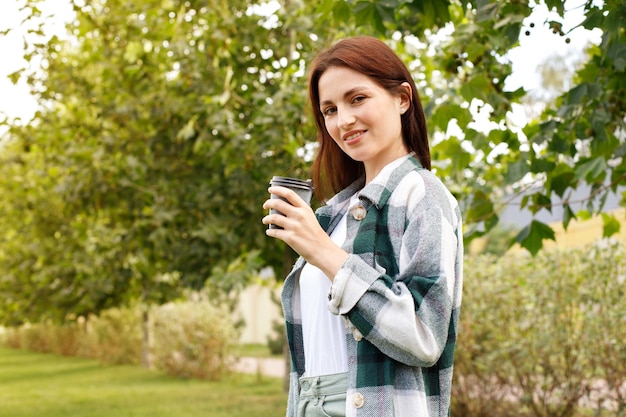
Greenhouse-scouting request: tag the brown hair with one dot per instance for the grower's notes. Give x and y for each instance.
(332, 169)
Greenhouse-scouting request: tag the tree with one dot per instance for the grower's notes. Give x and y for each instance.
(579, 140)
(162, 125)
(144, 170)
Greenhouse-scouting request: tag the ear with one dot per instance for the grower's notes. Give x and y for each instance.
(406, 97)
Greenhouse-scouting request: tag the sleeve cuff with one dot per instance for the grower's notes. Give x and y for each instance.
(352, 280)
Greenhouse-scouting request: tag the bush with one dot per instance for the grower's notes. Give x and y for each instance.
(113, 337)
(192, 339)
(542, 336)
(605, 325)
(44, 338)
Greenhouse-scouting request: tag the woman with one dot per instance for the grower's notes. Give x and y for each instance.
(372, 304)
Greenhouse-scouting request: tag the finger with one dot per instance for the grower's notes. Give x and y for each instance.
(291, 196)
(276, 219)
(281, 206)
(271, 219)
(274, 232)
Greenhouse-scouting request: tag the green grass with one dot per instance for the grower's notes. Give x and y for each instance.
(254, 350)
(34, 385)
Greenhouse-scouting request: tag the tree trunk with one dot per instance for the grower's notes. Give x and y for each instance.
(146, 358)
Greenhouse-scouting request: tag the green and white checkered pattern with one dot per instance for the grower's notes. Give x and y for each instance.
(399, 291)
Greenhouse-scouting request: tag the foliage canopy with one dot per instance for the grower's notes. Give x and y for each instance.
(161, 122)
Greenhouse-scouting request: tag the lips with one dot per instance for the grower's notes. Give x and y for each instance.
(353, 136)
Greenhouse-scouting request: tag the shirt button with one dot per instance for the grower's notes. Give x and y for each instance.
(358, 212)
(358, 400)
(358, 336)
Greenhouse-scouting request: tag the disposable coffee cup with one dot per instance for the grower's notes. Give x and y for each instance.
(304, 188)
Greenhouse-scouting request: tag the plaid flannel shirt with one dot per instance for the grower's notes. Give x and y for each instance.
(399, 291)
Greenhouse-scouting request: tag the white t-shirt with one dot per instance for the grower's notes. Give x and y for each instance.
(323, 333)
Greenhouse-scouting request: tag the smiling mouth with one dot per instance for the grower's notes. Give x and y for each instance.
(352, 136)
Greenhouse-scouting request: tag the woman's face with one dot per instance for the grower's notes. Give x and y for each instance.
(363, 118)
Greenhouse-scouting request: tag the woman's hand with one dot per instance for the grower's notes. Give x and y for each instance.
(301, 231)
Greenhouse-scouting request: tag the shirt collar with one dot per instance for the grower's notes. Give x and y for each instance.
(377, 192)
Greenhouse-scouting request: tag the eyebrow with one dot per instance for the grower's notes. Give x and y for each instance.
(346, 94)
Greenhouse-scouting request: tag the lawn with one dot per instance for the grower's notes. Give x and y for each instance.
(34, 385)
(254, 350)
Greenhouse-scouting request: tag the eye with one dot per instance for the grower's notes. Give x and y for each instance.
(328, 111)
(358, 99)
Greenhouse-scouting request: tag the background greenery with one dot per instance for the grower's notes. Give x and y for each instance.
(141, 177)
(538, 336)
(188, 339)
(161, 122)
(543, 336)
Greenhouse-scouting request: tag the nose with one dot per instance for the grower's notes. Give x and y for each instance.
(345, 118)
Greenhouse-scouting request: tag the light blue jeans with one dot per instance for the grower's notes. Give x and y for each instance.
(323, 396)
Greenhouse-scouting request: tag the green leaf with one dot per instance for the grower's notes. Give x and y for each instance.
(512, 31)
(584, 215)
(544, 131)
(491, 221)
(325, 7)
(593, 19)
(524, 201)
(431, 13)
(444, 113)
(559, 5)
(568, 215)
(532, 236)
(369, 13)
(477, 87)
(459, 157)
(559, 182)
(516, 171)
(541, 165)
(340, 9)
(385, 12)
(540, 201)
(591, 169)
(14, 76)
(188, 131)
(487, 11)
(558, 144)
(474, 50)
(481, 207)
(610, 225)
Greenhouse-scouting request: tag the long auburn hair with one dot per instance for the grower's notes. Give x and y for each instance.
(332, 169)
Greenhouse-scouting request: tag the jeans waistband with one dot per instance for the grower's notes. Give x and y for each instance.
(312, 386)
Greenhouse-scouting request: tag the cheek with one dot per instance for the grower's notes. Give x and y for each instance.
(332, 131)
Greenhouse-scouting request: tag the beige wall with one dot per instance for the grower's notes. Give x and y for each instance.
(583, 232)
(259, 312)
(578, 233)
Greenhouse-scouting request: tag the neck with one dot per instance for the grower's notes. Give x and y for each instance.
(373, 168)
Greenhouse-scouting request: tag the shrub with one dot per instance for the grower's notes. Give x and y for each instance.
(540, 336)
(605, 325)
(192, 339)
(113, 337)
(45, 338)
(66, 338)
